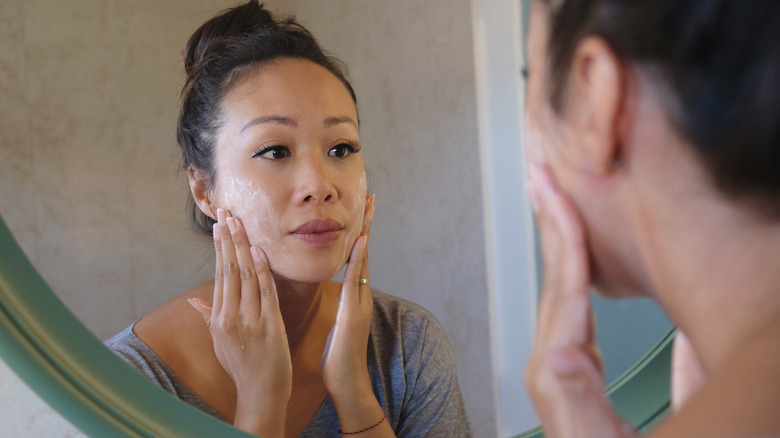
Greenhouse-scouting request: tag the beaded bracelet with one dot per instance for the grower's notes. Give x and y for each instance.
(384, 417)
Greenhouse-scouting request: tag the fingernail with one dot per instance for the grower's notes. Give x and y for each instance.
(221, 215)
(255, 253)
(192, 303)
(231, 222)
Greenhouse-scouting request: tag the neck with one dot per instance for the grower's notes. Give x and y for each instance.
(300, 305)
(712, 267)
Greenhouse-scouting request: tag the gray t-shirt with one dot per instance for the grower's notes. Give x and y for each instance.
(410, 362)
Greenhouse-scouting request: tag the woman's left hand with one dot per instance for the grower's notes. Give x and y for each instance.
(344, 367)
(565, 376)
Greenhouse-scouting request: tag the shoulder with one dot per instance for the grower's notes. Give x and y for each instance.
(176, 332)
(743, 393)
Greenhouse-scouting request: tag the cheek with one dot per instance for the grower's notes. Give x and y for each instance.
(255, 209)
(355, 201)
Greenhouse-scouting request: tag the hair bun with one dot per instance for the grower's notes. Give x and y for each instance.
(233, 22)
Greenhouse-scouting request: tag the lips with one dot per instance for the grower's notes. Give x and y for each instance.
(319, 232)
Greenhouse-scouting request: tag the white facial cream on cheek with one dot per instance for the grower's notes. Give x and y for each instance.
(357, 211)
(256, 211)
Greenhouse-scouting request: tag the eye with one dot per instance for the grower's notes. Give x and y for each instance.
(343, 149)
(272, 152)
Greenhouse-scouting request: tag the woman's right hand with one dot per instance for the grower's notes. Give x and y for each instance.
(246, 326)
(565, 376)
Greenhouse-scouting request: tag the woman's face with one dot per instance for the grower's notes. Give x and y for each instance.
(288, 165)
(553, 140)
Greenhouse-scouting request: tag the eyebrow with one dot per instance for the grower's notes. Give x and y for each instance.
(333, 121)
(282, 120)
(270, 119)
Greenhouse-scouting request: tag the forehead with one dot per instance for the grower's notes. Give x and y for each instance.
(292, 87)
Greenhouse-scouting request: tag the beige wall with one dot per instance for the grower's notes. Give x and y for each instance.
(88, 163)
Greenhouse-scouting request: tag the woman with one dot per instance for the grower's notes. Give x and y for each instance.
(269, 132)
(655, 147)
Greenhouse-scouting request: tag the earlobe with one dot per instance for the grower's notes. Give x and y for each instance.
(596, 100)
(199, 189)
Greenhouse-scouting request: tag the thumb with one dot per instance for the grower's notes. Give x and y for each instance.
(202, 307)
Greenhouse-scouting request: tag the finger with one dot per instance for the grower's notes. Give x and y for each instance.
(269, 300)
(217, 298)
(565, 303)
(231, 282)
(350, 287)
(562, 235)
(588, 408)
(364, 289)
(203, 308)
(249, 299)
(364, 273)
(592, 345)
(368, 215)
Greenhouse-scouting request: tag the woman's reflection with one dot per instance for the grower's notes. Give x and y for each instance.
(269, 132)
(655, 148)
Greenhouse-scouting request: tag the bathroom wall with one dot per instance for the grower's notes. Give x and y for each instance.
(88, 160)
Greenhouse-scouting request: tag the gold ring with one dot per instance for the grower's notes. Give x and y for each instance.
(362, 281)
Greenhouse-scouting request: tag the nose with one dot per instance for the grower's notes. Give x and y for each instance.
(314, 181)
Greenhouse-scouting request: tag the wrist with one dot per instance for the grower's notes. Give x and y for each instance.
(354, 392)
(359, 414)
(263, 416)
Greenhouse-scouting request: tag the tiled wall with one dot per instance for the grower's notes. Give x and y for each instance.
(88, 159)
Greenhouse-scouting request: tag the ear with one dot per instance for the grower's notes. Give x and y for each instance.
(596, 92)
(199, 189)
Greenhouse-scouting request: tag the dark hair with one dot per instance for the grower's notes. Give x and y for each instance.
(222, 52)
(721, 61)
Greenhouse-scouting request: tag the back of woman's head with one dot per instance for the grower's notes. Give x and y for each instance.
(221, 53)
(720, 60)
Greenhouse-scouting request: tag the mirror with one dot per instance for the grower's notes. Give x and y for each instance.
(90, 189)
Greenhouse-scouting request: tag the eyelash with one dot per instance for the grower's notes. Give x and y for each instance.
(276, 148)
(351, 147)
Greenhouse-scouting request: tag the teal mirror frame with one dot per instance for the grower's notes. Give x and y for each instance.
(70, 368)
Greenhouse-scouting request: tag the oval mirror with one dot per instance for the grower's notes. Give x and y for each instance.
(64, 361)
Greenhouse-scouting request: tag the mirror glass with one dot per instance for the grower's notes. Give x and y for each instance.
(90, 185)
